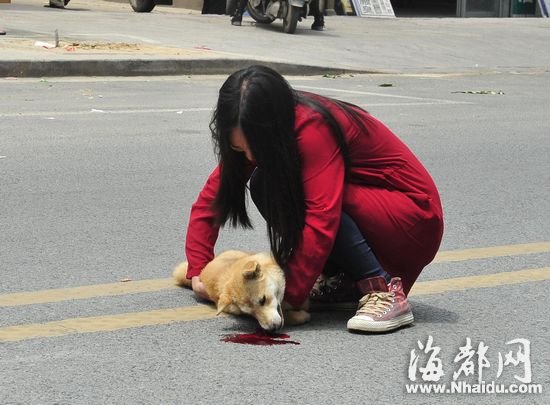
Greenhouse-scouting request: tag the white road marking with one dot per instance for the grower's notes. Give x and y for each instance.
(367, 106)
(368, 93)
(188, 110)
(95, 111)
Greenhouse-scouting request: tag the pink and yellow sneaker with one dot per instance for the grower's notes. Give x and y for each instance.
(383, 308)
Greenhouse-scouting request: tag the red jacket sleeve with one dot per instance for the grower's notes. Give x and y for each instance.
(202, 231)
(323, 177)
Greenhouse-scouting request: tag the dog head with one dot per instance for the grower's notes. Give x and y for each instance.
(256, 289)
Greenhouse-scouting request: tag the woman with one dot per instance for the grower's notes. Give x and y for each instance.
(339, 192)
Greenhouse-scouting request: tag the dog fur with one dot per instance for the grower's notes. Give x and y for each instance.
(243, 283)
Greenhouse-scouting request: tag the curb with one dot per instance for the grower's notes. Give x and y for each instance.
(156, 67)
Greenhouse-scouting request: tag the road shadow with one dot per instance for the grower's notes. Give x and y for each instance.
(68, 8)
(337, 320)
(277, 27)
(425, 313)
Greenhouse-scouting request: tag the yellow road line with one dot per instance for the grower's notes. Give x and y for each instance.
(200, 312)
(75, 293)
(141, 286)
(484, 281)
(494, 251)
(106, 323)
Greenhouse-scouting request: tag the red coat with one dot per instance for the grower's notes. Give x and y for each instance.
(388, 193)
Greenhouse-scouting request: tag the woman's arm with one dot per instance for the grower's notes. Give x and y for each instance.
(202, 231)
(323, 177)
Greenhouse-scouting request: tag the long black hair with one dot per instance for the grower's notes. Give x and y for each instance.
(262, 103)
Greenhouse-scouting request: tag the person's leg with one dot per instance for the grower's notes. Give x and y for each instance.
(237, 18)
(350, 261)
(352, 254)
(404, 233)
(387, 219)
(318, 17)
(384, 306)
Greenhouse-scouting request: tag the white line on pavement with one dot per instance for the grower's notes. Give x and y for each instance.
(187, 110)
(368, 93)
(103, 111)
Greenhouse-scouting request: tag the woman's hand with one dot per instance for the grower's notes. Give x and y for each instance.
(198, 288)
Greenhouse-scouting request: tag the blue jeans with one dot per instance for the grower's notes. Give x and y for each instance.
(351, 254)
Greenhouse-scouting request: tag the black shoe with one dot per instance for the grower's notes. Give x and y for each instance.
(57, 3)
(237, 20)
(318, 24)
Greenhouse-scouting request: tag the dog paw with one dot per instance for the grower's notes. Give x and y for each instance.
(296, 317)
(180, 275)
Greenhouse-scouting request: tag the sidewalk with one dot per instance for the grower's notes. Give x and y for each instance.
(106, 38)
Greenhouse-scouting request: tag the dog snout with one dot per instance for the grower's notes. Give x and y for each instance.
(274, 327)
(274, 324)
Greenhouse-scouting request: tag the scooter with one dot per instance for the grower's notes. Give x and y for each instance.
(263, 11)
(267, 11)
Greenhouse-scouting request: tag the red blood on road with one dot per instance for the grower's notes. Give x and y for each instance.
(259, 338)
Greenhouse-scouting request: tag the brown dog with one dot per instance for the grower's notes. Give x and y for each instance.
(244, 283)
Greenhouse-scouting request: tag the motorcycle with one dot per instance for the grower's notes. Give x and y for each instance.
(263, 11)
(267, 11)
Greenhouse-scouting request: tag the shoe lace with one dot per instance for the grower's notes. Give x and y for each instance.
(376, 303)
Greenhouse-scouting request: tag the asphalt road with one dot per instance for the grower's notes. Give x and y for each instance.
(97, 177)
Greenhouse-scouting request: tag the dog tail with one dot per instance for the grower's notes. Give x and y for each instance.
(180, 275)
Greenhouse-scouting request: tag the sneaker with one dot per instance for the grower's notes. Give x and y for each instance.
(334, 293)
(383, 309)
(237, 20)
(318, 26)
(318, 23)
(57, 3)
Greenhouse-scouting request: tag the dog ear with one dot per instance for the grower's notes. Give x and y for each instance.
(251, 270)
(223, 302)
